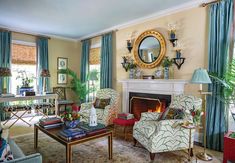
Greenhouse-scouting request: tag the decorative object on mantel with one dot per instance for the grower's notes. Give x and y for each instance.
(200, 76)
(172, 35)
(166, 64)
(138, 73)
(149, 49)
(4, 72)
(158, 73)
(129, 45)
(148, 77)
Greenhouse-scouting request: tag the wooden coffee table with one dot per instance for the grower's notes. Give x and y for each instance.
(54, 133)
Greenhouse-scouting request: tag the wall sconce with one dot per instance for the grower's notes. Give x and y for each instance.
(172, 35)
(178, 61)
(129, 45)
(173, 38)
(125, 63)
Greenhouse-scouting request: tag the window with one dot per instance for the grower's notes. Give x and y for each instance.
(23, 66)
(94, 64)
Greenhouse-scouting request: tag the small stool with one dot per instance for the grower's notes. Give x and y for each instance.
(123, 123)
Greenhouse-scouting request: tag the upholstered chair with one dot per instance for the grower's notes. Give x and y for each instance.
(158, 135)
(106, 115)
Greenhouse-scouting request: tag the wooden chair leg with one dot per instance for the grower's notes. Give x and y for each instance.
(191, 152)
(135, 142)
(152, 155)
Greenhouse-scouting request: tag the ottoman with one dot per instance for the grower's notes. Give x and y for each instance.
(125, 124)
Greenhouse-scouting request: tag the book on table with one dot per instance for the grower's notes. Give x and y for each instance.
(85, 126)
(50, 126)
(49, 121)
(72, 133)
(68, 138)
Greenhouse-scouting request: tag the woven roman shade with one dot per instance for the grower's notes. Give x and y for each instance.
(94, 57)
(23, 54)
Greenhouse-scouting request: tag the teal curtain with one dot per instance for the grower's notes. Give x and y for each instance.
(106, 61)
(43, 62)
(221, 16)
(85, 60)
(5, 61)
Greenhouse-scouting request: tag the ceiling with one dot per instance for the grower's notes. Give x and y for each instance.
(75, 19)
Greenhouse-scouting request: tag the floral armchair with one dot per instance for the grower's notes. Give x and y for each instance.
(166, 135)
(106, 115)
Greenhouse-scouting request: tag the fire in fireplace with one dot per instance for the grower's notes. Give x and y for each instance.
(142, 102)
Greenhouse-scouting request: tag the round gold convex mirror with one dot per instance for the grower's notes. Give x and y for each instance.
(149, 49)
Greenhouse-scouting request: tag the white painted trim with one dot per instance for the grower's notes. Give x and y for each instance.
(169, 11)
(24, 42)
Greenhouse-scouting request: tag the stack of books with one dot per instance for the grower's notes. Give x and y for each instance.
(52, 122)
(125, 116)
(92, 130)
(72, 133)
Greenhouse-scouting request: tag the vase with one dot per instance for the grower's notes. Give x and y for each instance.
(166, 72)
(131, 73)
(71, 124)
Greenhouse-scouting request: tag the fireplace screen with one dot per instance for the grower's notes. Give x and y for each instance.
(140, 102)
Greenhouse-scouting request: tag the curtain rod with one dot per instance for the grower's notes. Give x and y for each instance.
(209, 3)
(91, 37)
(5, 29)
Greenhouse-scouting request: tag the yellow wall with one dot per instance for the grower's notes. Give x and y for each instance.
(191, 32)
(58, 48)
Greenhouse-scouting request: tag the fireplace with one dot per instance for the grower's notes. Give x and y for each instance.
(145, 102)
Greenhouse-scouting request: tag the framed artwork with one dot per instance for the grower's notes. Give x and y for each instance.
(61, 78)
(62, 63)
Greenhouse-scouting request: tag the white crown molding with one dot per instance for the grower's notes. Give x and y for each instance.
(169, 11)
(37, 34)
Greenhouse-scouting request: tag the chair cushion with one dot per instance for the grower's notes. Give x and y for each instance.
(146, 128)
(124, 122)
(101, 102)
(86, 113)
(150, 116)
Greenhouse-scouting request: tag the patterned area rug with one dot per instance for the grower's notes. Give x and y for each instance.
(97, 151)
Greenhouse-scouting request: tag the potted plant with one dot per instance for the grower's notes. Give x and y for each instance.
(79, 88)
(166, 63)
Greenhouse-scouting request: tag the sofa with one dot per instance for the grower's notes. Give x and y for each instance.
(19, 156)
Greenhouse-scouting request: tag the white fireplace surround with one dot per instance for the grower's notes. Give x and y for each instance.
(151, 86)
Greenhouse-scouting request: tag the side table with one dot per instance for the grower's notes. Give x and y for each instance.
(123, 123)
(229, 148)
(189, 127)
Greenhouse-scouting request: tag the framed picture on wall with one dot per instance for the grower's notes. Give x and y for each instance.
(61, 78)
(62, 63)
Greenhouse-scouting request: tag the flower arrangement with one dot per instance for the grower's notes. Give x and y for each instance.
(70, 115)
(25, 78)
(166, 62)
(197, 116)
(4, 72)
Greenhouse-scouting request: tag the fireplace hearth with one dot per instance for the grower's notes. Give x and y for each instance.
(145, 102)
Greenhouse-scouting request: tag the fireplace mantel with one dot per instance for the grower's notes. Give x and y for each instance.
(152, 86)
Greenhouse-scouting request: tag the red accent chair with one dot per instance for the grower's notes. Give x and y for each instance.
(229, 148)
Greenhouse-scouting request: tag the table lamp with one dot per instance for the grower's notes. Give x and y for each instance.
(44, 74)
(200, 76)
(4, 72)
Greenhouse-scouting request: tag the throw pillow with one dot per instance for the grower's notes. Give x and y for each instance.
(150, 116)
(5, 151)
(101, 103)
(174, 113)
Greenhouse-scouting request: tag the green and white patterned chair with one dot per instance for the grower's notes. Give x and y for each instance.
(166, 135)
(106, 115)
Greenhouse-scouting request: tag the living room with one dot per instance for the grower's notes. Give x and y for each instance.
(155, 79)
